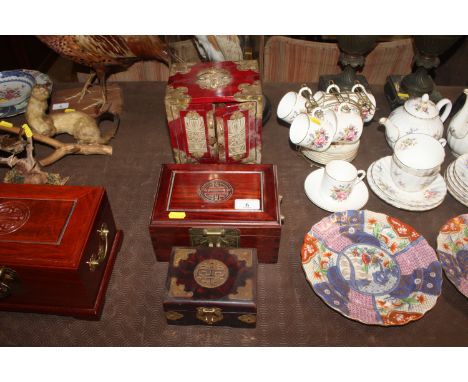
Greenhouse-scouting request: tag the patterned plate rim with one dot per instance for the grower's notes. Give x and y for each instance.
(439, 249)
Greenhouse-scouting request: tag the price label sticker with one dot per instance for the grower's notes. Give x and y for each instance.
(6, 124)
(27, 130)
(315, 120)
(247, 204)
(176, 215)
(60, 106)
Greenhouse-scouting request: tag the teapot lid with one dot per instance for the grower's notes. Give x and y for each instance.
(422, 107)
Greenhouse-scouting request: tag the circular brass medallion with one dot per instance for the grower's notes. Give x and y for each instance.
(216, 191)
(13, 215)
(211, 273)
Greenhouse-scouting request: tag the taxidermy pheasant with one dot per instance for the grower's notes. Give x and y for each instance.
(104, 53)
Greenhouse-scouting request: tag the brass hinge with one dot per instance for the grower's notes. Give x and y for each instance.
(214, 237)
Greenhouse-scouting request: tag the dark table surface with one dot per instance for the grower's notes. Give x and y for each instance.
(289, 312)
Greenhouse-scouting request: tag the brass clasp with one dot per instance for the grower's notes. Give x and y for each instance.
(209, 315)
(214, 237)
(96, 260)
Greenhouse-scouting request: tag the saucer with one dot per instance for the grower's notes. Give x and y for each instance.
(455, 183)
(356, 200)
(452, 247)
(454, 188)
(381, 182)
(461, 169)
(40, 79)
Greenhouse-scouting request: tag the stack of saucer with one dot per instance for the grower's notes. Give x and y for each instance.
(456, 177)
(336, 151)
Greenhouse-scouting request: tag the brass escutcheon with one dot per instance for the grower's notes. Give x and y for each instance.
(173, 315)
(209, 315)
(7, 278)
(96, 260)
(248, 318)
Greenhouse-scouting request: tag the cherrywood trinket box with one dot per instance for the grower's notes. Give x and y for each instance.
(219, 206)
(214, 112)
(212, 286)
(57, 248)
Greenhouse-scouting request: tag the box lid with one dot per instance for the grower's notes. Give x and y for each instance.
(46, 226)
(215, 194)
(221, 81)
(212, 277)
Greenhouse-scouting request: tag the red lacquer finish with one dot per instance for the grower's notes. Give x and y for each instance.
(47, 234)
(214, 112)
(242, 197)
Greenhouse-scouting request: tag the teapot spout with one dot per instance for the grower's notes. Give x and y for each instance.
(391, 130)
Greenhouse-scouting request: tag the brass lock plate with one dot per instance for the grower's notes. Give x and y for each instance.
(209, 315)
(214, 237)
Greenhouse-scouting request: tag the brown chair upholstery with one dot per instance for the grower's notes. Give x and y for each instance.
(293, 60)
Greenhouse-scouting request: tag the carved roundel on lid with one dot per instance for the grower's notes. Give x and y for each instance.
(211, 273)
(216, 191)
(13, 215)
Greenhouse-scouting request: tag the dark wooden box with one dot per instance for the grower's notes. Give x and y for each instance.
(214, 112)
(217, 205)
(57, 249)
(212, 286)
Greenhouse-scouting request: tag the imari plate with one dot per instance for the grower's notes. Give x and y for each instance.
(371, 267)
(452, 247)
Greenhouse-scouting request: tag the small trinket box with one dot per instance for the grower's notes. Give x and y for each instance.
(212, 286)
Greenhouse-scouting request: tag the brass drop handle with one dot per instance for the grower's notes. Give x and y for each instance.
(97, 259)
(7, 278)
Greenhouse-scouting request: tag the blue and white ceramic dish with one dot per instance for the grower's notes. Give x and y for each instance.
(9, 110)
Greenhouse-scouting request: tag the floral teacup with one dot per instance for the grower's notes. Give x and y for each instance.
(292, 104)
(349, 124)
(314, 131)
(416, 161)
(338, 180)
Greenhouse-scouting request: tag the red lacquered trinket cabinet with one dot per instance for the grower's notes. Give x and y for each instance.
(219, 206)
(57, 249)
(214, 112)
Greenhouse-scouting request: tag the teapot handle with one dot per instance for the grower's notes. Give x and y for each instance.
(448, 108)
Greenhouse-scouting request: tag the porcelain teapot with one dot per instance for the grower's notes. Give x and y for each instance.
(417, 115)
(457, 133)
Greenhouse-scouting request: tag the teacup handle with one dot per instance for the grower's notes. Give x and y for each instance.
(305, 88)
(333, 86)
(358, 86)
(361, 174)
(448, 108)
(442, 141)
